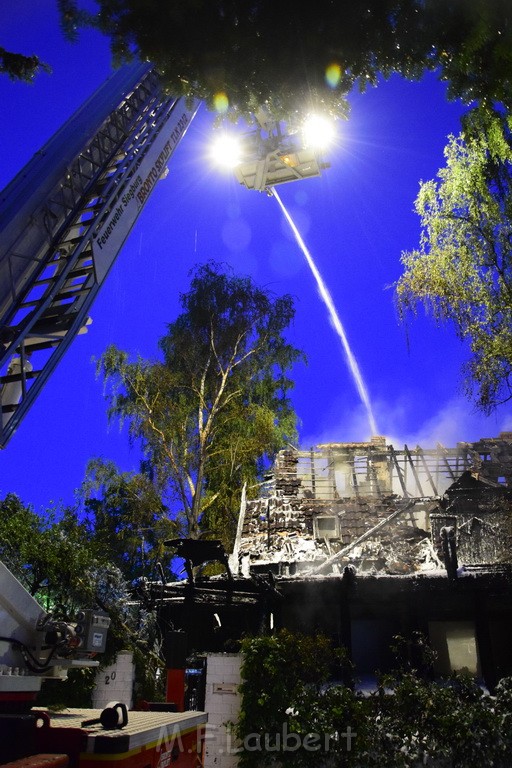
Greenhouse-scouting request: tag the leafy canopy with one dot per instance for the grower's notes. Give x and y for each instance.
(294, 712)
(67, 566)
(126, 518)
(299, 56)
(216, 407)
(49, 554)
(462, 270)
(20, 67)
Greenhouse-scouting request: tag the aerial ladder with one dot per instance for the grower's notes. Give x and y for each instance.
(66, 215)
(64, 218)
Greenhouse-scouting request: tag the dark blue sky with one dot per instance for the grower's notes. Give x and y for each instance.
(356, 220)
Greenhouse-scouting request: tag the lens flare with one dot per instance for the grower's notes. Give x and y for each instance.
(333, 75)
(221, 102)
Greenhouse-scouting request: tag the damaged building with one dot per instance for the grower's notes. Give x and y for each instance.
(363, 542)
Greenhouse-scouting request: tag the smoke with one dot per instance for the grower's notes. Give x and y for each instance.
(455, 421)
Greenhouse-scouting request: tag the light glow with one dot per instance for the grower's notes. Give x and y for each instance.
(226, 150)
(318, 132)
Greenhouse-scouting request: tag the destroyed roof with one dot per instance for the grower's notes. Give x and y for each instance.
(366, 505)
(473, 482)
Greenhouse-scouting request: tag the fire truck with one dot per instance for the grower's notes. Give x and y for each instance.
(35, 646)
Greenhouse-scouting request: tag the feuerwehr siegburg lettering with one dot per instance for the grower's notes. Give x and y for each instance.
(140, 188)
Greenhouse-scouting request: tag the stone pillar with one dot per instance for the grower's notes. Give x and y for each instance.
(115, 683)
(222, 704)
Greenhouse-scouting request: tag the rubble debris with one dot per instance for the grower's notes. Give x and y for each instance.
(364, 542)
(368, 505)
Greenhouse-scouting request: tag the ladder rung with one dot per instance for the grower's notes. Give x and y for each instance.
(55, 311)
(40, 345)
(80, 272)
(64, 293)
(71, 293)
(11, 377)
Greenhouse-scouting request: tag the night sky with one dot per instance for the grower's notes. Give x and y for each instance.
(355, 219)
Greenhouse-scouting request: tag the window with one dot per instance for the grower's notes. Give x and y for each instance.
(455, 645)
(326, 527)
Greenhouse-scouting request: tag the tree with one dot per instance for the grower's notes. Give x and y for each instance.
(20, 67)
(209, 413)
(295, 56)
(49, 554)
(462, 270)
(294, 713)
(126, 517)
(65, 567)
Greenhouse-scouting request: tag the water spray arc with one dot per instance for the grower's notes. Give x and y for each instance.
(327, 299)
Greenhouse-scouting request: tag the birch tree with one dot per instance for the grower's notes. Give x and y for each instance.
(212, 411)
(462, 271)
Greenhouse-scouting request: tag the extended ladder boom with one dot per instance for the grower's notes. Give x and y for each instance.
(65, 217)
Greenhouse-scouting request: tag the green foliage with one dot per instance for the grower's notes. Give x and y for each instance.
(75, 691)
(422, 720)
(20, 67)
(216, 408)
(66, 567)
(278, 54)
(49, 554)
(462, 271)
(283, 692)
(292, 715)
(127, 519)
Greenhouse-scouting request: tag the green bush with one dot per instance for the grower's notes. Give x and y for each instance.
(293, 714)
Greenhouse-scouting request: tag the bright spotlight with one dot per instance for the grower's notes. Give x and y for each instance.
(318, 132)
(226, 151)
